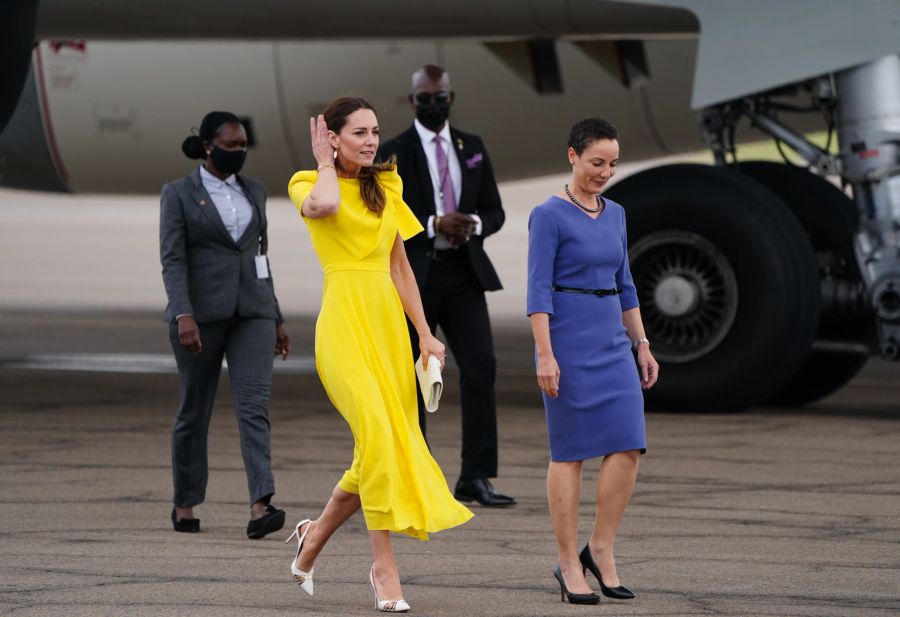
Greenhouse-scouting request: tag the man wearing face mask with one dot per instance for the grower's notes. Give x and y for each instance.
(449, 183)
(213, 244)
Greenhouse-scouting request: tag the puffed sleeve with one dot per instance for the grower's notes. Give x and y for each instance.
(407, 223)
(543, 242)
(628, 298)
(301, 186)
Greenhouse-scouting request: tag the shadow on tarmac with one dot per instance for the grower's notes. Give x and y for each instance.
(767, 512)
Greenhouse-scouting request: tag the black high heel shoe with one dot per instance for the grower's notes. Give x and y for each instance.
(615, 593)
(574, 598)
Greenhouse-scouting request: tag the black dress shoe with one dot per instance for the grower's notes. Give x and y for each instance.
(272, 520)
(573, 598)
(186, 525)
(480, 490)
(614, 593)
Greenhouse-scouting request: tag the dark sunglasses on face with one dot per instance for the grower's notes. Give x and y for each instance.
(424, 98)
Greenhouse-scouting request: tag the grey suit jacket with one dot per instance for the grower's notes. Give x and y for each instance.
(205, 272)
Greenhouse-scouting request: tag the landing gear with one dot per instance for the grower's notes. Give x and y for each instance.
(727, 281)
(858, 247)
(830, 220)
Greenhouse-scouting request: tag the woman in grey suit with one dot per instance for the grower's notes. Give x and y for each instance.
(213, 243)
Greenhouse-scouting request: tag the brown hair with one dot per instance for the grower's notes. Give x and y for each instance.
(369, 188)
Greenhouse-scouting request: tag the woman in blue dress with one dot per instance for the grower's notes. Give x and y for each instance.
(586, 323)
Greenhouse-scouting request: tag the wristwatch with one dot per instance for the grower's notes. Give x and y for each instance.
(636, 342)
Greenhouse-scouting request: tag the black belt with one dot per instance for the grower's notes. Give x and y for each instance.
(592, 292)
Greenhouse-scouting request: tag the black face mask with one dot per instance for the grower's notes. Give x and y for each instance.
(432, 115)
(228, 161)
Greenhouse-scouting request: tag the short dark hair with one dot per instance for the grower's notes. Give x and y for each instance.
(434, 71)
(585, 132)
(212, 122)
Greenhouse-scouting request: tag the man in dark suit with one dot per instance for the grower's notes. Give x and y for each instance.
(449, 184)
(213, 244)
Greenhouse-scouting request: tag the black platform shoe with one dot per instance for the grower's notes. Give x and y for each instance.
(186, 525)
(573, 598)
(615, 593)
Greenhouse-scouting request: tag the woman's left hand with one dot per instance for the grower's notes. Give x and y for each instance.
(282, 342)
(430, 346)
(649, 367)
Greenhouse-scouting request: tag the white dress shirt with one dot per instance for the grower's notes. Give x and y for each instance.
(453, 166)
(233, 206)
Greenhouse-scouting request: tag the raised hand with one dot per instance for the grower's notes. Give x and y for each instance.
(322, 149)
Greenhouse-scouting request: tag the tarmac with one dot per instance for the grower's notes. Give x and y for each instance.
(768, 512)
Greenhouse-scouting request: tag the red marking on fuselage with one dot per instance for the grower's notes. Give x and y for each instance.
(57, 45)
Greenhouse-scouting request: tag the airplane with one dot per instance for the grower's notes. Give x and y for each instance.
(759, 282)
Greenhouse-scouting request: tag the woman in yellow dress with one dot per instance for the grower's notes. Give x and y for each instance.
(357, 221)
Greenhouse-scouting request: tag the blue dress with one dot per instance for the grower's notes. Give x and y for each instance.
(600, 407)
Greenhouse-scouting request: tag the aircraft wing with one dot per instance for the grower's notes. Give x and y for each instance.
(355, 19)
(750, 47)
(745, 47)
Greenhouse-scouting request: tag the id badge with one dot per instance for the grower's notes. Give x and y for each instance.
(262, 267)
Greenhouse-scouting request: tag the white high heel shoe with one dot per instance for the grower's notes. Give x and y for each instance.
(387, 606)
(304, 579)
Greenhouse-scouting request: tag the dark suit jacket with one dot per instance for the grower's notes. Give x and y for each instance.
(479, 196)
(205, 272)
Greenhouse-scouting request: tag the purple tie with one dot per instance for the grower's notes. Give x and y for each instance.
(447, 193)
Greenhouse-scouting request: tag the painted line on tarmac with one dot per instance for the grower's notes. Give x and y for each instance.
(133, 363)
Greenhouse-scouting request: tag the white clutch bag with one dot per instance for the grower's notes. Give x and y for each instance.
(430, 382)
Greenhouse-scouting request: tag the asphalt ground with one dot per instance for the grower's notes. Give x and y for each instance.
(766, 512)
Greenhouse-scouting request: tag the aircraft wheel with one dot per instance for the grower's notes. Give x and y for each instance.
(17, 27)
(823, 372)
(830, 219)
(727, 283)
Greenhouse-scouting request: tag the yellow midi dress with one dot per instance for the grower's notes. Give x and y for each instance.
(363, 359)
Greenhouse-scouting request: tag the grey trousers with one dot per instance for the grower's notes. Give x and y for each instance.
(248, 345)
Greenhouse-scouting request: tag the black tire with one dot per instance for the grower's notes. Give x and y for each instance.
(830, 219)
(755, 298)
(823, 372)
